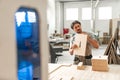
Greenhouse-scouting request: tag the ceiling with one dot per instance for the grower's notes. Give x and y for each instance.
(78, 0)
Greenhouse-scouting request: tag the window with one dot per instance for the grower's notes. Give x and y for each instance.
(86, 13)
(72, 14)
(105, 13)
(31, 16)
(20, 17)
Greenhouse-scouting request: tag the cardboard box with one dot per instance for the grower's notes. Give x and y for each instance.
(100, 68)
(100, 63)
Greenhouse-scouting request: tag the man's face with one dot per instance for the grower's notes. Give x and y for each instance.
(77, 28)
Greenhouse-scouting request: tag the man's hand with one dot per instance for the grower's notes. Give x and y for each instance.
(74, 46)
(71, 50)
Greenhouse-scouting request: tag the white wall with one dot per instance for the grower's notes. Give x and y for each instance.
(59, 8)
(79, 5)
(102, 25)
(51, 16)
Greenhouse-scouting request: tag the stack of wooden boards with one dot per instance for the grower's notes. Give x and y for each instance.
(113, 46)
(100, 63)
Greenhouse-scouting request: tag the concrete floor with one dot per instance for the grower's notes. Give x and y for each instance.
(67, 58)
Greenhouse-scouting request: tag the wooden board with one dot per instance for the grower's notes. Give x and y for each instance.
(80, 40)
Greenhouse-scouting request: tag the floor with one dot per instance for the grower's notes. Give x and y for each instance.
(67, 58)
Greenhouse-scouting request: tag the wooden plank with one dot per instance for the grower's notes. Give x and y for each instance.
(59, 67)
(108, 47)
(111, 50)
(113, 56)
(80, 40)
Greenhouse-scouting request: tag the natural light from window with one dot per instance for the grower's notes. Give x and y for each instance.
(31, 17)
(86, 13)
(105, 13)
(20, 17)
(72, 14)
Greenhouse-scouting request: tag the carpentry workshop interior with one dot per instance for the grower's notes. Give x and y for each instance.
(60, 40)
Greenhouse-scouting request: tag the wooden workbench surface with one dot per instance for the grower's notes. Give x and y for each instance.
(70, 72)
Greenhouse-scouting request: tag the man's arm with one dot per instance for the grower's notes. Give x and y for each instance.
(93, 42)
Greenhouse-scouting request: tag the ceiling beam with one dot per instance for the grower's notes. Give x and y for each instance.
(96, 3)
(72, 0)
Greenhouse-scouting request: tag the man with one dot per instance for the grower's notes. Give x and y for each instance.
(76, 26)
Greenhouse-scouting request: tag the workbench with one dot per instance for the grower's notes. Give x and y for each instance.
(70, 72)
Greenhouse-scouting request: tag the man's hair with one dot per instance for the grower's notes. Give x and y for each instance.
(75, 22)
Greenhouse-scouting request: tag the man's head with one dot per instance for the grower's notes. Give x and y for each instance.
(76, 26)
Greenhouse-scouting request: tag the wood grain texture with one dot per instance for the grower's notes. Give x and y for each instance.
(71, 73)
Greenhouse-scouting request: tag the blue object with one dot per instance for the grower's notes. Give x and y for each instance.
(26, 71)
(27, 40)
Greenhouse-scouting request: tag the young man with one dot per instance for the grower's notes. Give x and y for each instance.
(76, 26)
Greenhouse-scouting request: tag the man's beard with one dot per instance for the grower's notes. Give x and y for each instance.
(79, 31)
